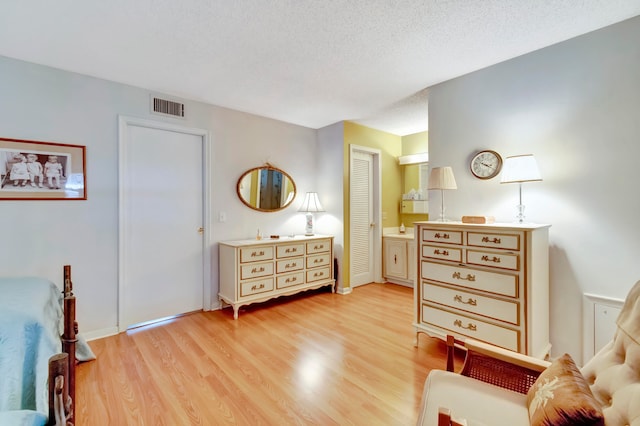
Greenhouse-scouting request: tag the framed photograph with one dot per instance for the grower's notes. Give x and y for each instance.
(33, 170)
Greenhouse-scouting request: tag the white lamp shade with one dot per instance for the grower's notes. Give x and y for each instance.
(520, 168)
(311, 203)
(442, 178)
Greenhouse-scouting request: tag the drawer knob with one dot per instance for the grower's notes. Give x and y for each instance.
(459, 276)
(441, 236)
(291, 250)
(255, 287)
(254, 270)
(291, 280)
(317, 260)
(470, 301)
(318, 274)
(495, 240)
(443, 252)
(470, 326)
(494, 259)
(257, 253)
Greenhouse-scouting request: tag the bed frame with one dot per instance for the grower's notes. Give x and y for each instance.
(62, 366)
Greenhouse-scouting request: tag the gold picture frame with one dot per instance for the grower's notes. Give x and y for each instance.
(36, 170)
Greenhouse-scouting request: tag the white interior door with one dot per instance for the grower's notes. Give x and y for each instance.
(162, 229)
(365, 230)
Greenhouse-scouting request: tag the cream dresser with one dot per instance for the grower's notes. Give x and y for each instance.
(488, 282)
(253, 271)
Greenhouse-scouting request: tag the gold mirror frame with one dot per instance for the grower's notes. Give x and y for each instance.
(266, 189)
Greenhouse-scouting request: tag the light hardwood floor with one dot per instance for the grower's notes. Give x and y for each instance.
(313, 359)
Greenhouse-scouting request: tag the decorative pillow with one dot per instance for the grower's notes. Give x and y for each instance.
(561, 396)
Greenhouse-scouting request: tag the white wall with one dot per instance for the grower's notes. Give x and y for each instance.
(39, 237)
(576, 107)
(330, 181)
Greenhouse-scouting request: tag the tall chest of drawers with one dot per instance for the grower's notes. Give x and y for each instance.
(253, 271)
(487, 282)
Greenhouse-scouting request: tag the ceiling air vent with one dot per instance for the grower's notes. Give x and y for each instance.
(164, 106)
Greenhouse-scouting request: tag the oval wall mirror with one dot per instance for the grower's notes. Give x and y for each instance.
(266, 189)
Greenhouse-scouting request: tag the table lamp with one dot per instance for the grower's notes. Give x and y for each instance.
(442, 178)
(310, 205)
(519, 169)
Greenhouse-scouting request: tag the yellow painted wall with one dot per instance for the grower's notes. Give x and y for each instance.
(412, 144)
(254, 188)
(390, 147)
(410, 177)
(394, 177)
(415, 143)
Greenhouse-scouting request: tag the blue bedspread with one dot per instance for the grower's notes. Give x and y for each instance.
(30, 319)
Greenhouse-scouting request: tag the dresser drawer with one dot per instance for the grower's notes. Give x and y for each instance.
(319, 260)
(495, 240)
(250, 288)
(289, 250)
(289, 280)
(255, 254)
(494, 260)
(318, 274)
(442, 236)
(442, 253)
(481, 305)
(492, 282)
(471, 327)
(289, 265)
(255, 270)
(319, 246)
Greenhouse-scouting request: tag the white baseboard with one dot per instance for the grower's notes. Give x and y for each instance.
(111, 331)
(99, 334)
(343, 290)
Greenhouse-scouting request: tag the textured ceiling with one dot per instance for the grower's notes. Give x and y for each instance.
(308, 62)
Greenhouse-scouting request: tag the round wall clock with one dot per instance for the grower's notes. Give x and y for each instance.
(486, 164)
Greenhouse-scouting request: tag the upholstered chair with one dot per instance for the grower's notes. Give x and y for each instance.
(499, 387)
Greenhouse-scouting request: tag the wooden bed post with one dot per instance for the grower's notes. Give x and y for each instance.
(450, 351)
(69, 337)
(60, 403)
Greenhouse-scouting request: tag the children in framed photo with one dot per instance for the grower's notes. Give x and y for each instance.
(33, 170)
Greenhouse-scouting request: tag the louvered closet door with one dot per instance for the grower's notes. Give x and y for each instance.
(361, 187)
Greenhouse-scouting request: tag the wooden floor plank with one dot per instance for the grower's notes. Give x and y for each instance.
(312, 359)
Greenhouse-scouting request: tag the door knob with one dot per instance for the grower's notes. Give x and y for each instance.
(201, 230)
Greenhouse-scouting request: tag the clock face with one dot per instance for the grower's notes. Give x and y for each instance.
(486, 164)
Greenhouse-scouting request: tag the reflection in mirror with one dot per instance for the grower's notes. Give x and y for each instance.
(266, 189)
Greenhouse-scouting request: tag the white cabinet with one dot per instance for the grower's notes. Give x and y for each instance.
(395, 258)
(253, 271)
(488, 282)
(414, 206)
(399, 259)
